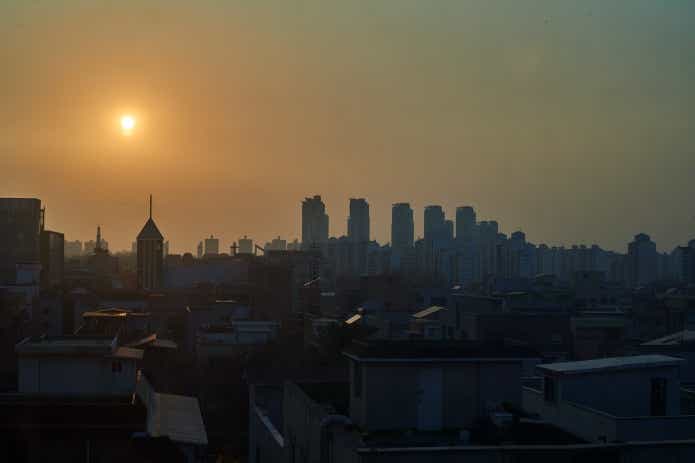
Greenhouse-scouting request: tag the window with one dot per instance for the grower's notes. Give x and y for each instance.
(549, 389)
(116, 366)
(357, 379)
(658, 397)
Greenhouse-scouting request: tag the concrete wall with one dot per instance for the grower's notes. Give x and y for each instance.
(71, 376)
(675, 452)
(621, 393)
(302, 419)
(594, 425)
(265, 442)
(390, 392)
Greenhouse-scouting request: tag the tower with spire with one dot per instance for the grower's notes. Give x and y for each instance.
(150, 251)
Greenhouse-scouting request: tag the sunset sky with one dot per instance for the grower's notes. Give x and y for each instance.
(571, 120)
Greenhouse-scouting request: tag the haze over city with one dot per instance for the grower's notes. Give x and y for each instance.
(572, 121)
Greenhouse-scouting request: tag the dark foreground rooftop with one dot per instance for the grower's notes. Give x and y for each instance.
(409, 349)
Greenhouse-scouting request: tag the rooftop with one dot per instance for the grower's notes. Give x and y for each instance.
(609, 364)
(428, 311)
(177, 417)
(355, 318)
(674, 339)
(150, 231)
(67, 345)
(423, 350)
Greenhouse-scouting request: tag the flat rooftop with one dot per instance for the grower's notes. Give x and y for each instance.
(610, 364)
(424, 350)
(674, 339)
(61, 345)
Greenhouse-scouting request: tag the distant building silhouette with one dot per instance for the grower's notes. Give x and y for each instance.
(19, 235)
(277, 244)
(402, 226)
(314, 222)
(358, 221)
(150, 255)
(212, 246)
(642, 260)
(245, 245)
(74, 249)
(465, 224)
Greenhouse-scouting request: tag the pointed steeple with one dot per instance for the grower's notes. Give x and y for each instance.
(150, 230)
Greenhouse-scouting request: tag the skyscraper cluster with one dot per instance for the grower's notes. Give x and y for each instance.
(465, 249)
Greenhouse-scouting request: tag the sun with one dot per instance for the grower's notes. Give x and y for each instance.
(127, 124)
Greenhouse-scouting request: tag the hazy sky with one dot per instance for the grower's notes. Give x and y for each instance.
(570, 120)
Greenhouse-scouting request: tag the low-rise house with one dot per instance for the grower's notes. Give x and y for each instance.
(232, 339)
(439, 401)
(620, 399)
(83, 398)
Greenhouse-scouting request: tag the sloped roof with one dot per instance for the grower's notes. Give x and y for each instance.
(150, 231)
(177, 417)
(428, 311)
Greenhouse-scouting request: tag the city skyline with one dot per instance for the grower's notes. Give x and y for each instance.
(450, 219)
(558, 118)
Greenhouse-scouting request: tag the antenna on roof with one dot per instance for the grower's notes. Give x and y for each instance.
(150, 206)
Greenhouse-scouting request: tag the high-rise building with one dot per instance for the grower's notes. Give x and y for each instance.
(212, 246)
(150, 255)
(448, 230)
(641, 260)
(402, 226)
(358, 221)
(314, 222)
(465, 224)
(52, 258)
(20, 227)
(434, 223)
(199, 250)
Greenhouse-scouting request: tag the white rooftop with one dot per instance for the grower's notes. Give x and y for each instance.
(610, 364)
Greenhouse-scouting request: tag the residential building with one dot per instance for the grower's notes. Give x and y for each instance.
(314, 222)
(615, 399)
(358, 221)
(21, 222)
(641, 260)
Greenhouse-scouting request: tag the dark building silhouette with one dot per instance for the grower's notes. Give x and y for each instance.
(150, 255)
(465, 224)
(314, 222)
(642, 260)
(402, 226)
(20, 227)
(358, 221)
(52, 258)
